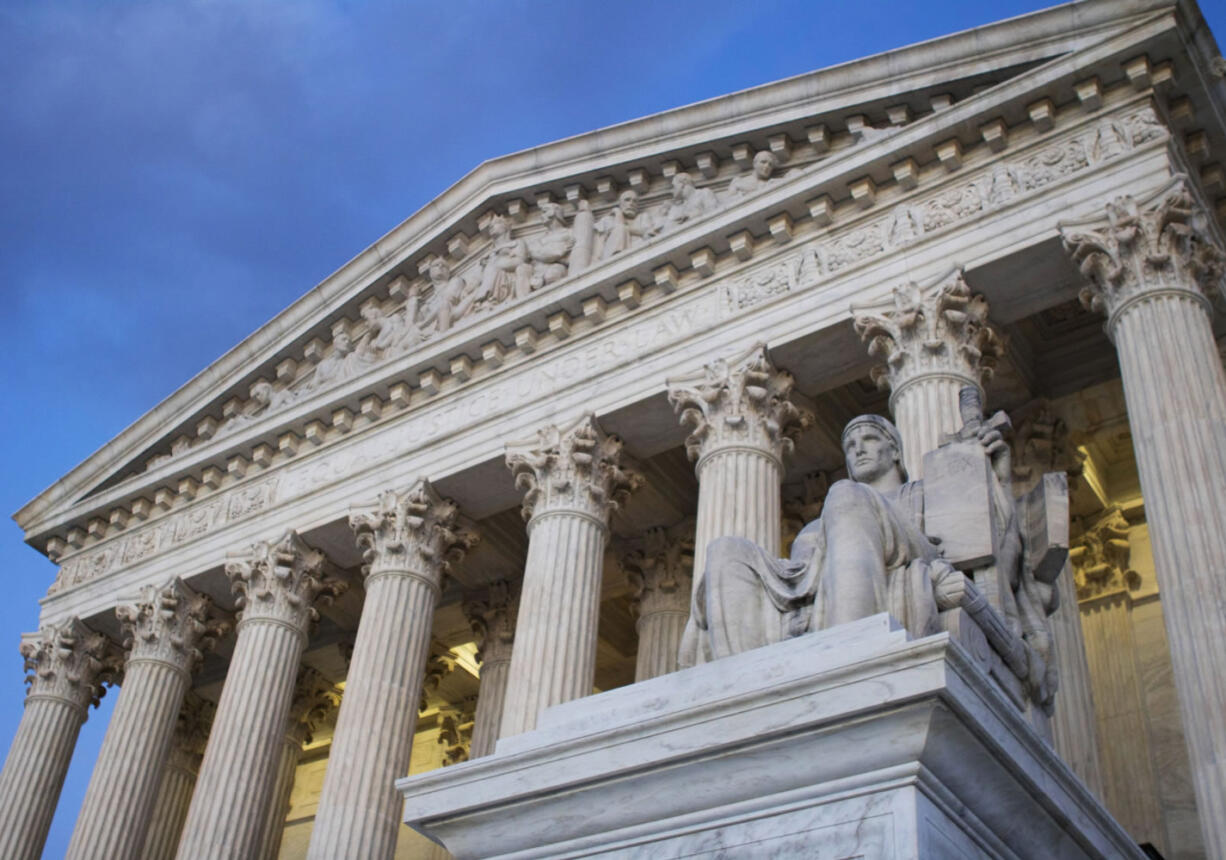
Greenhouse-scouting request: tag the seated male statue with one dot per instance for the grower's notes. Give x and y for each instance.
(867, 553)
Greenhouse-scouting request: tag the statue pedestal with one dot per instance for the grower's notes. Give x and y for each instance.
(850, 742)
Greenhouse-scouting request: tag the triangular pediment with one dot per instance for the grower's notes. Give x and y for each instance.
(503, 256)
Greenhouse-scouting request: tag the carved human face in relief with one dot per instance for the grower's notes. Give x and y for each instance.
(870, 453)
(628, 202)
(438, 271)
(763, 165)
(683, 184)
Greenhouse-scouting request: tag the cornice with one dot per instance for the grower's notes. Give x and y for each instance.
(1011, 43)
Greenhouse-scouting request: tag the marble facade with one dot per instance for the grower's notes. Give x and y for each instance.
(468, 480)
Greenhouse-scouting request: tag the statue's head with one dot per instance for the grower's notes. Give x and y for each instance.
(628, 202)
(438, 270)
(764, 164)
(683, 184)
(873, 447)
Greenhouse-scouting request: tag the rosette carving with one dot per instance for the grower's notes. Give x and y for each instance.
(572, 468)
(1146, 247)
(939, 329)
(415, 531)
(282, 581)
(171, 624)
(69, 661)
(739, 402)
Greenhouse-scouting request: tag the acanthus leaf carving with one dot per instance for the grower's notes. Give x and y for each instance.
(575, 467)
(1101, 555)
(70, 662)
(282, 582)
(661, 571)
(315, 700)
(1142, 248)
(171, 624)
(939, 328)
(491, 614)
(740, 402)
(415, 531)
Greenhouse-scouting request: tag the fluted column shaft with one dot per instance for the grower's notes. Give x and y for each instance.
(661, 574)
(278, 583)
(34, 774)
(1129, 782)
(164, 631)
(1151, 264)
(738, 496)
(359, 809)
(66, 664)
(491, 700)
(229, 807)
(1074, 726)
(409, 540)
(555, 637)
(925, 411)
(574, 479)
(174, 796)
(278, 807)
(119, 801)
(659, 638)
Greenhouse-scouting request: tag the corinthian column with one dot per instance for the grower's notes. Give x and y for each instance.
(492, 616)
(1104, 586)
(315, 698)
(409, 540)
(935, 340)
(278, 585)
(1153, 266)
(574, 479)
(178, 778)
(67, 666)
(742, 425)
(660, 574)
(166, 632)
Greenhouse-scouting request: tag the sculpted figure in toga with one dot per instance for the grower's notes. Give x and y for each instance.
(867, 553)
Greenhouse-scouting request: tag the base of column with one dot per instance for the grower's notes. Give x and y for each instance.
(850, 741)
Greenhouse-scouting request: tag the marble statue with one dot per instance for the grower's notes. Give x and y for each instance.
(623, 227)
(764, 165)
(688, 201)
(866, 553)
(506, 272)
(390, 333)
(550, 251)
(452, 297)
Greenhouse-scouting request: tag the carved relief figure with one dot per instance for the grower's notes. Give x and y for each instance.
(344, 361)
(584, 231)
(764, 165)
(688, 201)
(452, 298)
(624, 227)
(390, 333)
(550, 252)
(505, 271)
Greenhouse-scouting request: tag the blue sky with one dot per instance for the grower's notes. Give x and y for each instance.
(174, 174)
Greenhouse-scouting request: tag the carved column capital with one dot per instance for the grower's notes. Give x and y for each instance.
(1158, 245)
(315, 700)
(281, 582)
(455, 733)
(171, 624)
(491, 614)
(661, 571)
(439, 665)
(414, 532)
(193, 724)
(574, 468)
(70, 662)
(1100, 557)
(1041, 443)
(738, 403)
(939, 329)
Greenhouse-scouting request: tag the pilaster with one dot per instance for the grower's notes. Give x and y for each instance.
(661, 574)
(935, 339)
(66, 666)
(573, 479)
(174, 794)
(278, 585)
(492, 617)
(166, 633)
(409, 541)
(1153, 265)
(315, 700)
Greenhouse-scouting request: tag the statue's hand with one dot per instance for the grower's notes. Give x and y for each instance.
(948, 584)
(998, 450)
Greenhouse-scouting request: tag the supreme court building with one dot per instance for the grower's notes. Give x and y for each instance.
(470, 475)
